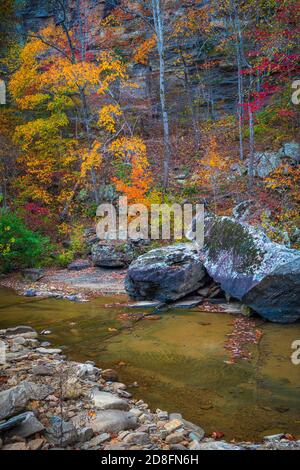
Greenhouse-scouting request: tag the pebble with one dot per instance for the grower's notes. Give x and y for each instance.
(110, 375)
(136, 412)
(175, 438)
(173, 425)
(48, 351)
(15, 446)
(194, 445)
(139, 438)
(36, 444)
(97, 440)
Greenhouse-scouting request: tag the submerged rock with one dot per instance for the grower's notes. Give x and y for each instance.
(250, 267)
(166, 274)
(19, 330)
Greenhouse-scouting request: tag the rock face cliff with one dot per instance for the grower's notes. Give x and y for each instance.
(212, 100)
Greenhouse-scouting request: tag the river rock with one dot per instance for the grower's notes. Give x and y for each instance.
(97, 440)
(172, 425)
(15, 446)
(36, 444)
(30, 425)
(196, 431)
(175, 438)
(61, 433)
(137, 438)
(48, 351)
(112, 256)
(262, 274)
(108, 401)
(110, 375)
(213, 445)
(112, 421)
(33, 274)
(85, 434)
(19, 330)
(42, 370)
(79, 265)
(15, 399)
(166, 274)
(12, 422)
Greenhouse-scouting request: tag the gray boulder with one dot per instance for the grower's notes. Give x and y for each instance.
(292, 150)
(266, 162)
(61, 433)
(79, 265)
(107, 401)
(15, 399)
(113, 421)
(33, 274)
(250, 267)
(166, 274)
(112, 256)
(19, 330)
(30, 425)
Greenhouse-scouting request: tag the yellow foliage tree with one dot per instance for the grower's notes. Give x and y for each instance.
(212, 168)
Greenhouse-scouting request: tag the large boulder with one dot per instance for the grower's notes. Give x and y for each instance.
(292, 150)
(166, 274)
(249, 266)
(112, 256)
(266, 162)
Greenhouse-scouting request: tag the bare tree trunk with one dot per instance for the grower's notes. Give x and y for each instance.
(85, 109)
(189, 93)
(159, 29)
(251, 152)
(239, 57)
(89, 138)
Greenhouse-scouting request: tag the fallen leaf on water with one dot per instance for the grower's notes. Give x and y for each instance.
(289, 437)
(217, 435)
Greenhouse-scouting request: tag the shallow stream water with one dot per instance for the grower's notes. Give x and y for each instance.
(178, 360)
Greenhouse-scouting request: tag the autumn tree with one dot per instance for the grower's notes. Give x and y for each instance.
(212, 168)
(72, 95)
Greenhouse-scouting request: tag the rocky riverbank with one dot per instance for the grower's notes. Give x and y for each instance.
(48, 402)
(74, 285)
